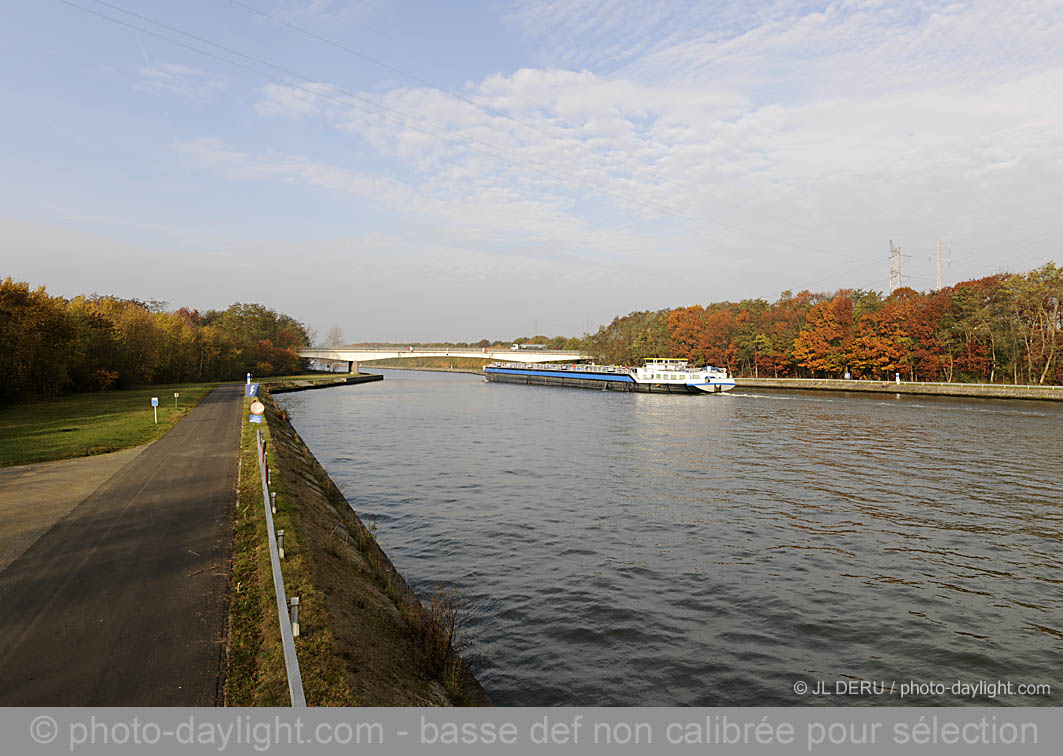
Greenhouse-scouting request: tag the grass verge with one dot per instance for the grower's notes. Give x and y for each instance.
(256, 673)
(80, 425)
(318, 376)
(363, 631)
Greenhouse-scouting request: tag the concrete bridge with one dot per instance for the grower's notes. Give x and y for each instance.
(353, 355)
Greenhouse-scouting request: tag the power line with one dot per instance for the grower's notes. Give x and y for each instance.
(635, 166)
(850, 271)
(414, 77)
(629, 163)
(519, 160)
(1040, 253)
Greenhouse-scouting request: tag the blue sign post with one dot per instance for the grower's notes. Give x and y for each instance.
(252, 389)
(155, 408)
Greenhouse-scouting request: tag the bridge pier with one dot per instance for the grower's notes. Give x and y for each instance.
(352, 367)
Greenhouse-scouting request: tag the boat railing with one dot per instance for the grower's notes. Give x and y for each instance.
(571, 368)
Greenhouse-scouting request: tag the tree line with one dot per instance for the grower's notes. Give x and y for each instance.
(51, 345)
(1004, 328)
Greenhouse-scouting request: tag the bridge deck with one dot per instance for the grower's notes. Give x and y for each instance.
(367, 354)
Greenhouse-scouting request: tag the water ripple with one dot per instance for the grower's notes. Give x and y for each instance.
(659, 550)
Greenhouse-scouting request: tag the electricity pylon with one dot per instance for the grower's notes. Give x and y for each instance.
(946, 259)
(895, 267)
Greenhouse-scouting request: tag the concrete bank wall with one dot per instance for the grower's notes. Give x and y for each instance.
(980, 390)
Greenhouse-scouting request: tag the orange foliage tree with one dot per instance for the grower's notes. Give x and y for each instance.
(999, 328)
(824, 344)
(50, 345)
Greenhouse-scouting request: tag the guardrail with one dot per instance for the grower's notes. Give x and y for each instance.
(291, 661)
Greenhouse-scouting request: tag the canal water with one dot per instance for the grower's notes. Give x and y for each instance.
(642, 549)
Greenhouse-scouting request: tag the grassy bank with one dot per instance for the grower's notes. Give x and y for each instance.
(365, 639)
(80, 425)
(255, 674)
(297, 383)
(312, 377)
(457, 364)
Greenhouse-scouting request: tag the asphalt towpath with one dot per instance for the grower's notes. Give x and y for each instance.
(123, 602)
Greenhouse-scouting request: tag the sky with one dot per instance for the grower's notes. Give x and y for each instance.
(419, 171)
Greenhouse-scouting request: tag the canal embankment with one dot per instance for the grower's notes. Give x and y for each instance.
(322, 382)
(469, 371)
(976, 390)
(366, 639)
(456, 364)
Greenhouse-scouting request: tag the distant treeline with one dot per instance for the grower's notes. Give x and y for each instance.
(1003, 328)
(52, 345)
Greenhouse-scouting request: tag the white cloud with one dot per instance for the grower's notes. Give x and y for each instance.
(292, 102)
(801, 48)
(179, 79)
(767, 147)
(641, 155)
(330, 12)
(213, 155)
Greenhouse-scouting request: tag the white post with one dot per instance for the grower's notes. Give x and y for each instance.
(273, 501)
(248, 379)
(280, 543)
(156, 411)
(294, 603)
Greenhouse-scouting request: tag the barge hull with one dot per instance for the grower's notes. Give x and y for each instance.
(596, 383)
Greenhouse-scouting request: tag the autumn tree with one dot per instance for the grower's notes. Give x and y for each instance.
(781, 324)
(49, 345)
(687, 333)
(36, 338)
(823, 345)
(881, 344)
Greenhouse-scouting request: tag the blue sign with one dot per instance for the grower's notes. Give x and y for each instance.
(252, 389)
(154, 401)
(256, 418)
